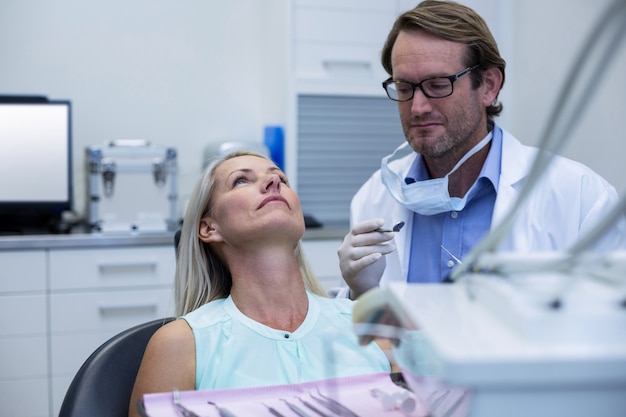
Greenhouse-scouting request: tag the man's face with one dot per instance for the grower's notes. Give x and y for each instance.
(446, 128)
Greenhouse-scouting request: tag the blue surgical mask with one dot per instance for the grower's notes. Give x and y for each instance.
(426, 197)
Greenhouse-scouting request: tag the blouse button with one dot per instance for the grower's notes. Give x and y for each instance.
(450, 263)
(286, 335)
(454, 214)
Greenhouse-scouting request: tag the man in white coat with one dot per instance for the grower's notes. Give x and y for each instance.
(463, 172)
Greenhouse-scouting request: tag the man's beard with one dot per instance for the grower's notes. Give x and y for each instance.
(468, 121)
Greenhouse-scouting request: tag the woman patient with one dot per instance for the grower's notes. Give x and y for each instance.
(251, 313)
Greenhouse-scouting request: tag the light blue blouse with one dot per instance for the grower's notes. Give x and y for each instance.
(234, 351)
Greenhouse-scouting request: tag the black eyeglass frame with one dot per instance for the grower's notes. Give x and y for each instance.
(452, 79)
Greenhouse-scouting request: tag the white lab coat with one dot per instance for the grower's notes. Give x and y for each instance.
(566, 203)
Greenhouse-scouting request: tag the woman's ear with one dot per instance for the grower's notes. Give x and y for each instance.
(207, 232)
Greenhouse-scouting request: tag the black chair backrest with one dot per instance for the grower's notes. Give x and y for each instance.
(177, 241)
(103, 385)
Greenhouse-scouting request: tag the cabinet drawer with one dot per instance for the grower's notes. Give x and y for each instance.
(322, 257)
(109, 268)
(22, 271)
(331, 284)
(345, 63)
(80, 323)
(108, 310)
(69, 352)
(24, 398)
(59, 387)
(24, 357)
(22, 315)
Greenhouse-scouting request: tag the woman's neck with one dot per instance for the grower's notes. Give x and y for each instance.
(268, 288)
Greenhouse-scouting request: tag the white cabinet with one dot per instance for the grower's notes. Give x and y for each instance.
(336, 46)
(340, 122)
(322, 258)
(58, 305)
(22, 271)
(78, 269)
(97, 293)
(23, 334)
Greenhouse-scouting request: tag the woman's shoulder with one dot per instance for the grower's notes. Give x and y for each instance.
(208, 314)
(171, 337)
(334, 305)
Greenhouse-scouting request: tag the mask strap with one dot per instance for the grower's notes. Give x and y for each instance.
(399, 148)
(471, 152)
(390, 179)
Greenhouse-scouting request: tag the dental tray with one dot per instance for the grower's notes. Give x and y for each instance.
(363, 395)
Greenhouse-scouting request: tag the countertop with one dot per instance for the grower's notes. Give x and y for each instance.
(80, 239)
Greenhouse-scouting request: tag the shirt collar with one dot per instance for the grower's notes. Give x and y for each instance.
(491, 167)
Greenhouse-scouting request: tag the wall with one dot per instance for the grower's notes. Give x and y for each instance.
(181, 73)
(189, 72)
(548, 37)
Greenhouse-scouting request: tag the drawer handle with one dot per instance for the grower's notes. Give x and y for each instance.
(128, 310)
(127, 266)
(346, 66)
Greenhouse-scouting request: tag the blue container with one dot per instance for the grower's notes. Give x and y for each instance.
(274, 139)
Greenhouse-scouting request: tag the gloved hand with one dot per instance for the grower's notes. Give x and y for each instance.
(361, 257)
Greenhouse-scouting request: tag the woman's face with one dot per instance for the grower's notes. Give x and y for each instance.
(252, 199)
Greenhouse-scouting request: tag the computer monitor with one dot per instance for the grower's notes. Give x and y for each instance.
(35, 163)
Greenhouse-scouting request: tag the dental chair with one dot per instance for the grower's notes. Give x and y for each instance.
(103, 385)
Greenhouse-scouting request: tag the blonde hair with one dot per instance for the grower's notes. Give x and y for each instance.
(200, 274)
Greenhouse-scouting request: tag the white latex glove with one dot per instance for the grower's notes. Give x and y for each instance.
(361, 257)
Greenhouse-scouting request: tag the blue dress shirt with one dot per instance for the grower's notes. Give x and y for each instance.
(437, 240)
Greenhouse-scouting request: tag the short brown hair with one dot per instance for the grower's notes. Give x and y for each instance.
(456, 23)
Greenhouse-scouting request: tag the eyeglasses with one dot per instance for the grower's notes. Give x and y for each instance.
(438, 87)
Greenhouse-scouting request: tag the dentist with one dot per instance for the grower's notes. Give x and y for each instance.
(458, 173)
